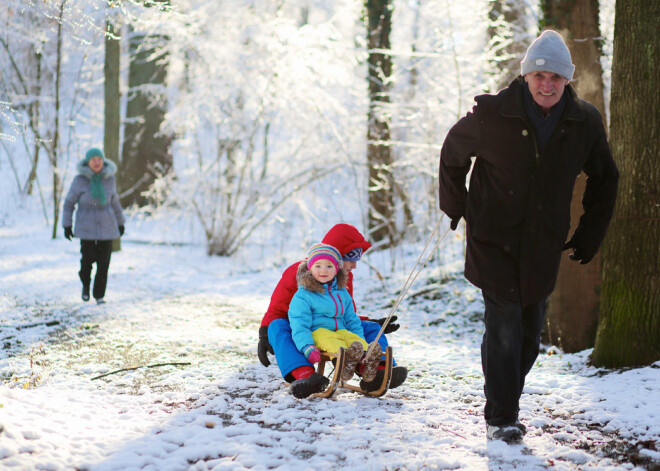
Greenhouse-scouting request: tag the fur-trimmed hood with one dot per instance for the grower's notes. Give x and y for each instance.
(108, 170)
(321, 306)
(306, 280)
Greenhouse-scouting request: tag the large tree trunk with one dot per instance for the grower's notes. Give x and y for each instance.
(33, 112)
(629, 328)
(379, 151)
(572, 312)
(145, 153)
(111, 71)
(507, 30)
(54, 156)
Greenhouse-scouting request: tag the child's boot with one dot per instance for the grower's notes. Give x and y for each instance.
(352, 358)
(371, 361)
(302, 388)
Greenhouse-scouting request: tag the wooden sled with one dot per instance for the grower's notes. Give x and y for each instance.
(336, 381)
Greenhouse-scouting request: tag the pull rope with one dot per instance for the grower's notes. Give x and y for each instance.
(411, 279)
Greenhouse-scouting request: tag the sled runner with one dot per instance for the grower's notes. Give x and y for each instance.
(336, 381)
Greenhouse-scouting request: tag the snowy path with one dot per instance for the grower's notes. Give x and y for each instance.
(224, 410)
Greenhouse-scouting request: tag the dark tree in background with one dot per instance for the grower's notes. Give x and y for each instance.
(146, 151)
(629, 326)
(112, 108)
(55, 152)
(111, 73)
(572, 312)
(379, 152)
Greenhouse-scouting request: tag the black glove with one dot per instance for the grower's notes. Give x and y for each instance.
(264, 347)
(121, 231)
(68, 233)
(454, 222)
(391, 327)
(578, 255)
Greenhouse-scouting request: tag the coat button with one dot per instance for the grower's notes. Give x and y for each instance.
(525, 132)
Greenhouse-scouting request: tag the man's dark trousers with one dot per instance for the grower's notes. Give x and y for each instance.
(509, 349)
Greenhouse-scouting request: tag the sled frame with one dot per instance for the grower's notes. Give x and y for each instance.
(336, 381)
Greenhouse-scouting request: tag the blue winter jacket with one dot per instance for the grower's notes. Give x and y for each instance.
(94, 221)
(316, 306)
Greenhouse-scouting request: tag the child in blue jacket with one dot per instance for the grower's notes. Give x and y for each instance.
(322, 315)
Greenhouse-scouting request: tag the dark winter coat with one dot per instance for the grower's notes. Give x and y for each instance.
(321, 306)
(94, 221)
(517, 209)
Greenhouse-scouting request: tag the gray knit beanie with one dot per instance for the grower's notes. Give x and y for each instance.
(548, 53)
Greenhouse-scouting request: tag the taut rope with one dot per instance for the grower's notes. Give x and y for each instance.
(411, 279)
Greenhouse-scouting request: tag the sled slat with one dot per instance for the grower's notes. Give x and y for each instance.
(336, 382)
(336, 377)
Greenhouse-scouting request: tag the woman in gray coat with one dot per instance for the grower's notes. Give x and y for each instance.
(99, 218)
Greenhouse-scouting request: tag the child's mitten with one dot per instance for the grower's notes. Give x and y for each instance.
(312, 353)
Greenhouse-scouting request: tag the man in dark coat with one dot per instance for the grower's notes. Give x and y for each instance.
(530, 141)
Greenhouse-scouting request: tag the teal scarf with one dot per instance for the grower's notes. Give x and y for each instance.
(96, 187)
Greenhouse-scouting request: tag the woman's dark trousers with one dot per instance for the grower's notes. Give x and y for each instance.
(509, 349)
(99, 252)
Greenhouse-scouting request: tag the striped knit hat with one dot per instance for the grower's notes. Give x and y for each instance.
(324, 252)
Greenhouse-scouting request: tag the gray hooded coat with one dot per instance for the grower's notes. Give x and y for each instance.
(94, 221)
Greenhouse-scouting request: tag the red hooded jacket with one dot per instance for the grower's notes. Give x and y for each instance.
(343, 237)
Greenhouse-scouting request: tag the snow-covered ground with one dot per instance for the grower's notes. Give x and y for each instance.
(211, 405)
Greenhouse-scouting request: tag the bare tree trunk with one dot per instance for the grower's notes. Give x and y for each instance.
(33, 112)
(629, 328)
(572, 312)
(379, 151)
(54, 156)
(111, 72)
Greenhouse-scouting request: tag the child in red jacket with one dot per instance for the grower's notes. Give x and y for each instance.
(275, 331)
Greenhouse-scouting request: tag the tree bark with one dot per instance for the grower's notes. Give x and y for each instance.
(54, 156)
(379, 152)
(33, 112)
(111, 72)
(572, 311)
(629, 328)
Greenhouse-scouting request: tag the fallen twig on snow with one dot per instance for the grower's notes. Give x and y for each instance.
(427, 289)
(444, 429)
(28, 326)
(133, 368)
